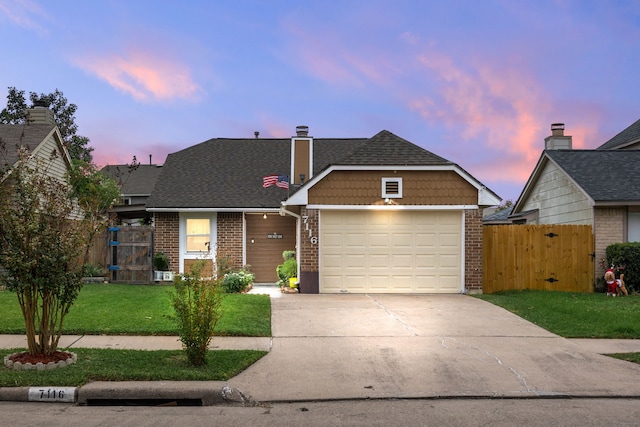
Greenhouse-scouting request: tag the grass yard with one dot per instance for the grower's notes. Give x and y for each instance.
(133, 365)
(574, 315)
(117, 309)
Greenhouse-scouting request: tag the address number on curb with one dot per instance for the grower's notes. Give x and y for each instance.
(52, 394)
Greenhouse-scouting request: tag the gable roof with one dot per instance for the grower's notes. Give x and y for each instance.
(604, 175)
(15, 136)
(139, 182)
(385, 148)
(225, 173)
(625, 138)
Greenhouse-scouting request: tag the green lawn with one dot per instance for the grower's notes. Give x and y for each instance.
(133, 365)
(574, 315)
(116, 309)
(137, 310)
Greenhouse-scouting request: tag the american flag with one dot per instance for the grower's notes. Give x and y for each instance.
(281, 181)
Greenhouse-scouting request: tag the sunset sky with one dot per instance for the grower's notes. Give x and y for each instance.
(476, 82)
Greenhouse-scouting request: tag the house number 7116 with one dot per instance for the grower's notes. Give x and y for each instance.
(313, 239)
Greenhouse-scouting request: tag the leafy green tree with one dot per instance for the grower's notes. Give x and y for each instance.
(46, 227)
(63, 112)
(506, 205)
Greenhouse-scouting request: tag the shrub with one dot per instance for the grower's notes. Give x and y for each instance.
(288, 269)
(197, 304)
(237, 281)
(626, 259)
(160, 262)
(91, 270)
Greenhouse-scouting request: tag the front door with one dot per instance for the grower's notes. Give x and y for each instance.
(268, 235)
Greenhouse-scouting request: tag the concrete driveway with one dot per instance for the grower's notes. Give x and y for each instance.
(411, 346)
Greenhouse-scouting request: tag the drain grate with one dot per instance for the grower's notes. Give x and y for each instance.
(144, 402)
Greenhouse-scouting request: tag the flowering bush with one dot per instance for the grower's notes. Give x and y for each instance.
(237, 281)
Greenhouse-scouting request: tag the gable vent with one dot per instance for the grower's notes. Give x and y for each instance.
(391, 188)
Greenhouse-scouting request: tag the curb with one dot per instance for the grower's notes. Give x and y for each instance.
(110, 393)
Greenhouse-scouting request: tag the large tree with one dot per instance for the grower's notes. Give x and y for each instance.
(46, 225)
(14, 113)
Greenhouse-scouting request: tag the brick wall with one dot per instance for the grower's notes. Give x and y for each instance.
(166, 237)
(609, 228)
(230, 225)
(309, 250)
(473, 250)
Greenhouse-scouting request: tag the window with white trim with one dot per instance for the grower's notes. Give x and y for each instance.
(391, 188)
(198, 234)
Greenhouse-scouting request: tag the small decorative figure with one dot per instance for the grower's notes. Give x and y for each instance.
(615, 286)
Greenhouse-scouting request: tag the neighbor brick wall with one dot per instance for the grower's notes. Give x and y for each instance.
(230, 225)
(473, 250)
(609, 228)
(166, 237)
(309, 251)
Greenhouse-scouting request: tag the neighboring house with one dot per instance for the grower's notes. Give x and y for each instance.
(493, 216)
(598, 187)
(136, 185)
(41, 137)
(371, 215)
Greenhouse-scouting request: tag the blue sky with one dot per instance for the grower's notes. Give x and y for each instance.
(476, 82)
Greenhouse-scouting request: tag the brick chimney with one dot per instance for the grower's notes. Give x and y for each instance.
(558, 140)
(40, 114)
(301, 156)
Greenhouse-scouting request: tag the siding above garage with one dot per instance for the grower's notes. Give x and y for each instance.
(364, 187)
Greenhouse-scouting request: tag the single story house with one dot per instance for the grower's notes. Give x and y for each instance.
(364, 215)
(598, 187)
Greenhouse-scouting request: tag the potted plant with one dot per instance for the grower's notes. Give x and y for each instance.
(160, 266)
(287, 271)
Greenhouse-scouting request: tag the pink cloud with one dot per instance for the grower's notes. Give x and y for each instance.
(25, 14)
(143, 75)
(499, 105)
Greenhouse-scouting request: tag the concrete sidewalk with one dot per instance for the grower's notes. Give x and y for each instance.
(390, 346)
(121, 342)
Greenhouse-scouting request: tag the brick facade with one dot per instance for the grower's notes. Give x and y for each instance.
(230, 225)
(473, 250)
(609, 228)
(309, 252)
(166, 237)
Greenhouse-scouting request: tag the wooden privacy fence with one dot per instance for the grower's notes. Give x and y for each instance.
(131, 254)
(542, 257)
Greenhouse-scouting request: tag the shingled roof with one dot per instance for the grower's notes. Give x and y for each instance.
(628, 136)
(605, 175)
(227, 173)
(139, 182)
(14, 136)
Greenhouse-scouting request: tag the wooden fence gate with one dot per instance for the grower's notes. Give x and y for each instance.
(131, 254)
(542, 257)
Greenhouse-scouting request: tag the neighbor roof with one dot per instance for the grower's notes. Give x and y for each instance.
(227, 173)
(624, 138)
(14, 136)
(605, 175)
(139, 181)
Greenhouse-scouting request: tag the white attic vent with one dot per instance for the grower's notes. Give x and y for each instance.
(391, 188)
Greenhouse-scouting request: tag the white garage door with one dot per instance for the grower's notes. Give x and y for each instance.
(390, 251)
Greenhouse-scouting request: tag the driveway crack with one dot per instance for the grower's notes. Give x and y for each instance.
(493, 357)
(393, 316)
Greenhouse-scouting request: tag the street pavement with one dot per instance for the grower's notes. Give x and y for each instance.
(370, 346)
